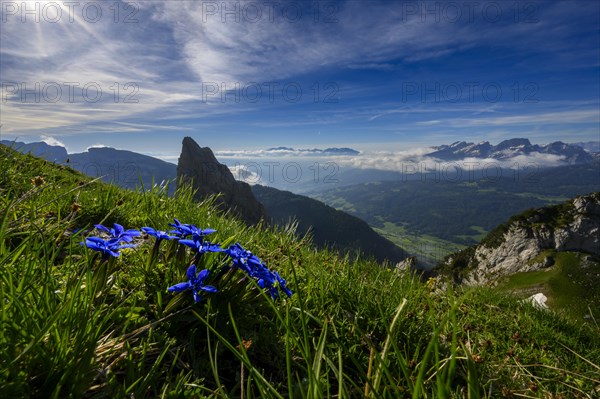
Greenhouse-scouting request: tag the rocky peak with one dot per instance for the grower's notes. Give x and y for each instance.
(199, 166)
(513, 143)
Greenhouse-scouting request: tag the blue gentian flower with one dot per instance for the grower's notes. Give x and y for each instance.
(195, 283)
(185, 229)
(202, 246)
(239, 256)
(256, 269)
(160, 235)
(106, 247)
(199, 234)
(245, 260)
(118, 232)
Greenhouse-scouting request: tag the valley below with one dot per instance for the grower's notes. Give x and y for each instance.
(431, 219)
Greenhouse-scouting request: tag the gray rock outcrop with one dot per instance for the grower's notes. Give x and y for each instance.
(199, 166)
(573, 226)
(407, 264)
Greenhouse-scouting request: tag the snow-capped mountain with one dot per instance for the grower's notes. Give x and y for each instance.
(507, 149)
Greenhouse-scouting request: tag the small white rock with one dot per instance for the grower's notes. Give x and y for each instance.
(538, 300)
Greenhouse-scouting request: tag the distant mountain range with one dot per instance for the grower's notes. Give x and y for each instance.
(52, 153)
(124, 168)
(317, 151)
(590, 146)
(507, 149)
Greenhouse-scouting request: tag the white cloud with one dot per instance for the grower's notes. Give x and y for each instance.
(97, 145)
(52, 141)
(415, 160)
(541, 118)
(245, 174)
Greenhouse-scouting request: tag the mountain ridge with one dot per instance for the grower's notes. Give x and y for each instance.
(122, 167)
(329, 227)
(507, 149)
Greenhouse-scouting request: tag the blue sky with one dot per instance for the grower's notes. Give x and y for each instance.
(370, 75)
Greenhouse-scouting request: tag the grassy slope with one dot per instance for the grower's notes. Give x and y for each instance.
(71, 330)
(568, 284)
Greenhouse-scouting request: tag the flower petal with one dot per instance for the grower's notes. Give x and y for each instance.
(114, 253)
(101, 227)
(189, 243)
(191, 273)
(179, 287)
(209, 288)
(203, 275)
(197, 297)
(118, 229)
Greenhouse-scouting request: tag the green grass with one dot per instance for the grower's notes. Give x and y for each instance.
(71, 327)
(570, 287)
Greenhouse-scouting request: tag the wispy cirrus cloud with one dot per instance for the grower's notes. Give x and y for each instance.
(153, 60)
(541, 118)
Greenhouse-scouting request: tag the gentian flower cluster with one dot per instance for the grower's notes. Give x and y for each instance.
(112, 246)
(256, 269)
(118, 232)
(198, 242)
(185, 230)
(243, 259)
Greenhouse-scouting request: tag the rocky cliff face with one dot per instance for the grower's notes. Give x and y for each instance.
(518, 245)
(209, 177)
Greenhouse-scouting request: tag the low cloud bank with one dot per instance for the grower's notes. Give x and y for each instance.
(405, 161)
